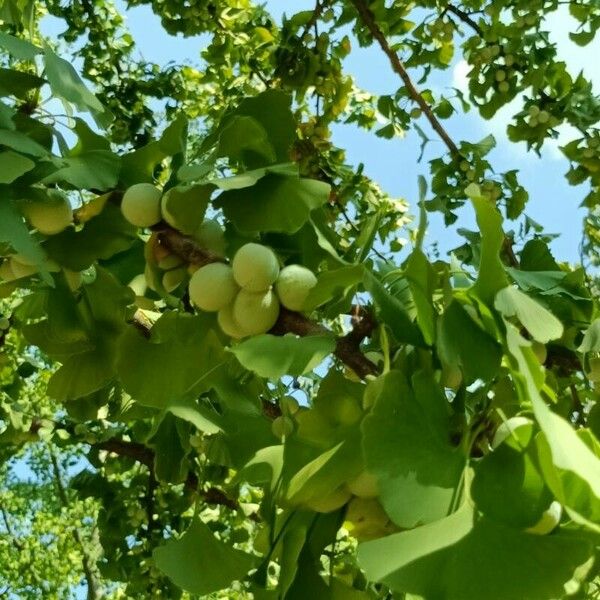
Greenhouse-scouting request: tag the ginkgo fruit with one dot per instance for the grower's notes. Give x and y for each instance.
(540, 351)
(330, 502)
(210, 235)
(255, 267)
(548, 521)
(50, 216)
(173, 279)
(228, 324)
(213, 287)
(256, 312)
(293, 286)
(366, 519)
(141, 205)
(282, 426)
(364, 485)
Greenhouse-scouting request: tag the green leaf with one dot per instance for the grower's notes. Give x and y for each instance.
(66, 84)
(20, 49)
(421, 280)
(406, 445)
(334, 283)
(243, 135)
(93, 170)
(203, 419)
(457, 558)
(272, 109)
(392, 312)
(591, 338)
(541, 324)
(21, 143)
(274, 356)
(170, 465)
(102, 237)
(492, 277)
(463, 343)
(570, 468)
(18, 83)
(138, 166)
(82, 374)
(173, 364)
(13, 231)
(509, 489)
(187, 205)
(274, 203)
(13, 166)
(199, 563)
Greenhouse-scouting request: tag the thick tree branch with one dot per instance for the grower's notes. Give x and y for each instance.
(369, 21)
(145, 456)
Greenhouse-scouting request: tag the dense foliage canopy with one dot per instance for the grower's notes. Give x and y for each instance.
(230, 365)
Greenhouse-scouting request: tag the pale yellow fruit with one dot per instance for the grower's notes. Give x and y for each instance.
(139, 284)
(256, 312)
(173, 279)
(228, 324)
(294, 285)
(20, 270)
(210, 235)
(50, 216)
(364, 485)
(255, 267)
(548, 521)
(73, 278)
(141, 205)
(594, 372)
(289, 405)
(367, 520)
(508, 428)
(282, 427)
(540, 351)
(213, 287)
(331, 502)
(6, 272)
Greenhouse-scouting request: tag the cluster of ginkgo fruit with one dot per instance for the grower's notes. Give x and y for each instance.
(246, 294)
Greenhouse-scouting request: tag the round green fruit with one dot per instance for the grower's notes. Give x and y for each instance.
(50, 216)
(256, 312)
(210, 235)
(331, 502)
(364, 485)
(228, 324)
(213, 287)
(540, 351)
(255, 267)
(282, 427)
(4, 323)
(138, 284)
(367, 520)
(451, 377)
(294, 285)
(548, 521)
(141, 205)
(173, 279)
(289, 405)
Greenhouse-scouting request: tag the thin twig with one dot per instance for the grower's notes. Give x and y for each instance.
(368, 19)
(465, 18)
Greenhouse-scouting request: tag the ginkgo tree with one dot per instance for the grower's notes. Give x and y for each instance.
(236, 367)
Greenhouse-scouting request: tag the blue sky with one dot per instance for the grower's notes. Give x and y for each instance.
(392, 163)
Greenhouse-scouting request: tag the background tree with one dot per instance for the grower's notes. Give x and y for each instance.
(224, 374)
